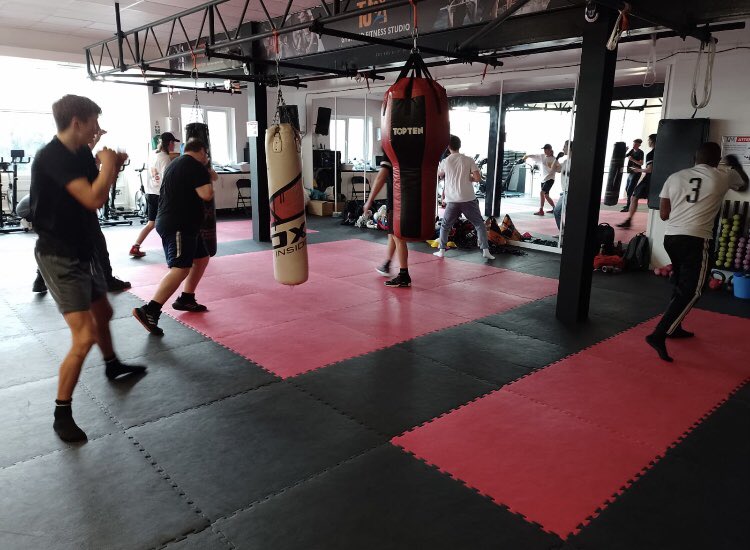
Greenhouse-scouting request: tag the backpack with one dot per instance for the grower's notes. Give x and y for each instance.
(605, 239)
(465, 234)
(352, 211)
(638, 253)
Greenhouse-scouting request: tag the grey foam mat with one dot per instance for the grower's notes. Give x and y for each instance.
(103, 494)
(242, 449)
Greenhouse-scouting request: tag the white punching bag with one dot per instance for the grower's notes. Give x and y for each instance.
(287, 201)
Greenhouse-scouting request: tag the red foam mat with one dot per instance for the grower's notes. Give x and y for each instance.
(344, 309)
(559, 444)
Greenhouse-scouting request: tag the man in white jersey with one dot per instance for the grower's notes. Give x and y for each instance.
(460, 173)
(690, 202)
(550, 166)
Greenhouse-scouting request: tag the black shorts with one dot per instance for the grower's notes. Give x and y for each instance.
(641, 190)
(152, 206)
(547, 185)
(73, 283)
(182, 248)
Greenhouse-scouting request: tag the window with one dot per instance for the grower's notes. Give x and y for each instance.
(348, 135)
(220, 122)
(25, 130)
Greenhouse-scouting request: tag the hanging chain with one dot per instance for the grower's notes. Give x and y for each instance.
(279, 96)
(197, 112)
(414, 27)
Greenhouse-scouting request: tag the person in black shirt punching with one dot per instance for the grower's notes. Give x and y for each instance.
(186, 185)
(66, 190)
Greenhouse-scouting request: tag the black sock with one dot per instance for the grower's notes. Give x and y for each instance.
(404, 273)
(153, 307)
(187, 297)
(64, 425)
(657, 342)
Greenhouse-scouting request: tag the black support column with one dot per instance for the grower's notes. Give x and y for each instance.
(496, 146)
(593, 104)
(257, 109)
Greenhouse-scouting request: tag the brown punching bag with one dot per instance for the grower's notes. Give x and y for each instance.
(415, 132)
(287, 203)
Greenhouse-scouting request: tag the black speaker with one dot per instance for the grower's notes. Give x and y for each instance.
(323, 121)
(289, 114)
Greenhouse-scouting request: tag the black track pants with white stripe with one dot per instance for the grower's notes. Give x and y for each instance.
(691, 261)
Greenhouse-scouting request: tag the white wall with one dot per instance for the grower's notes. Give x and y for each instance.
(727, 110)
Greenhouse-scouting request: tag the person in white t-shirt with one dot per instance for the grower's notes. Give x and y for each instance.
(690, 203)
(549, 166)
(565, 170)
(460, 173)
(164, 155)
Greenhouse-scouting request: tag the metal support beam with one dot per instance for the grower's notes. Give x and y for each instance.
(492, 25)
(318, 28)
(682, 28)
(287, 64)
(494, 183)
(257, 109)
(593, 104)
(286, 12)
(120, 34)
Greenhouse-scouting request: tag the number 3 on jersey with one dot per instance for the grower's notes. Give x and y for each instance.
(696, 191)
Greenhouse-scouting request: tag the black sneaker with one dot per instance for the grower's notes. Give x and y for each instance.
(148, 320)
(625, 208)
(188, 305)
(399, 281)
(117, 285)
(66, 428)
(384, 269)
(115, 370)
(39, 284)
(624, 224)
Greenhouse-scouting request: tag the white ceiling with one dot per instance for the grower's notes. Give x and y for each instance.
(74, 22)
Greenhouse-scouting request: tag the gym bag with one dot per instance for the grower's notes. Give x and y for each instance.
(605, 237)
(638, 253)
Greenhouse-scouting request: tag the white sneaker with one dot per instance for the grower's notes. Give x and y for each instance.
(440, 253)
(486, 254)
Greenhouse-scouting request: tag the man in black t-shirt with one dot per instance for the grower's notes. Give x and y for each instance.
(186, 185)
(395, 245)
(642, 188)
(635, 160)
(66, 190)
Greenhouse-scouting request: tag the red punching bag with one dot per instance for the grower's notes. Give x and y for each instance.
(415, 132)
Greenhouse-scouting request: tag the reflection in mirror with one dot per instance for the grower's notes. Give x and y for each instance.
(537, 126)
(533, 121)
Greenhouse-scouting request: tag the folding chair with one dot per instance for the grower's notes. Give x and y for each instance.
(243, 200)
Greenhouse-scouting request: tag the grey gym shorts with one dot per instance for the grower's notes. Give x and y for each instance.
(73, 283)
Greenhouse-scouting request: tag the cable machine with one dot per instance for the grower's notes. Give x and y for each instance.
(11, 222)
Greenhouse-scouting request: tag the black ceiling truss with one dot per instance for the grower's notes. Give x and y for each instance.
(140, 49)
(130, 52)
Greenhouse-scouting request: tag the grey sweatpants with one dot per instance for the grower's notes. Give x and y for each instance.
(469, 209)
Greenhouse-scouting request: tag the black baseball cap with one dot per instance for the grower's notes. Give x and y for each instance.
(547, 146)
(167, 137)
